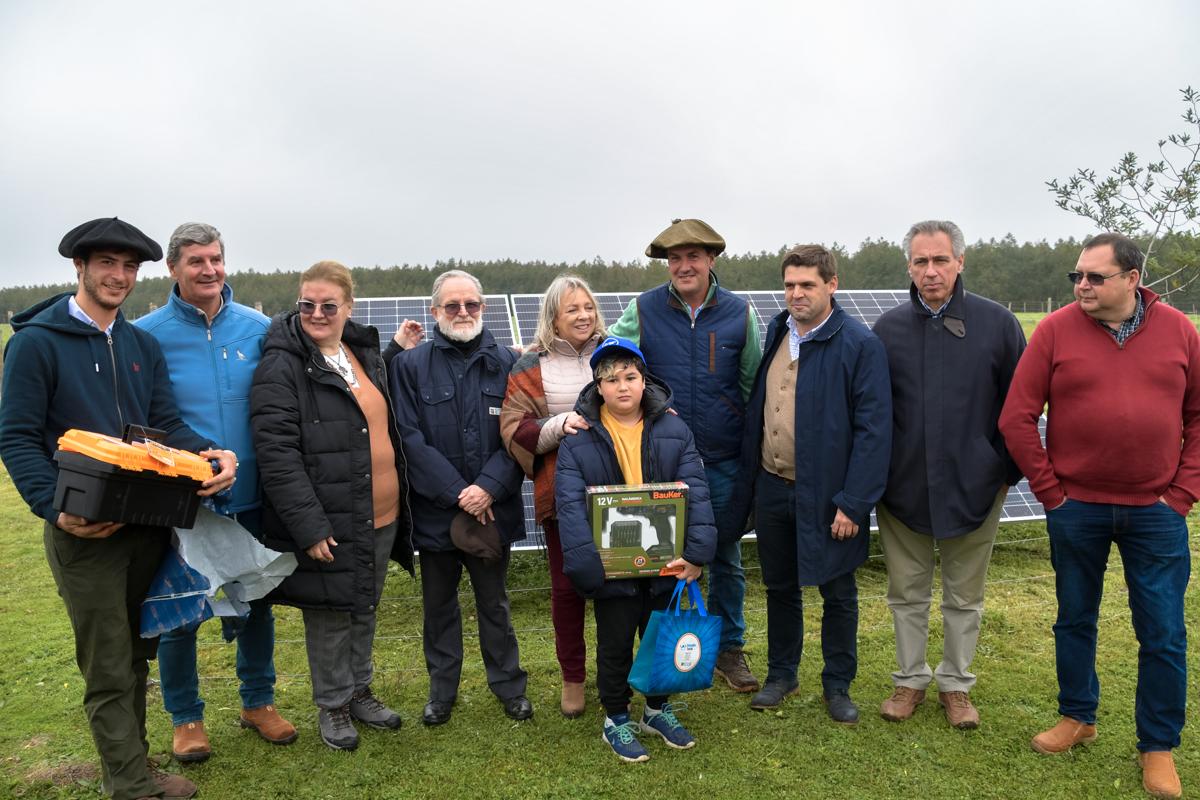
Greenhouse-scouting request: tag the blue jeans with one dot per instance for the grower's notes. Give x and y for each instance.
(726, 580)
(1153, 542)
(255, 665)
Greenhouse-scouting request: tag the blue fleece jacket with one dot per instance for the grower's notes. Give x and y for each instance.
(60, 373)
(211, 366)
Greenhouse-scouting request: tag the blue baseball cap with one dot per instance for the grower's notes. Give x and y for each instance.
(614, 345)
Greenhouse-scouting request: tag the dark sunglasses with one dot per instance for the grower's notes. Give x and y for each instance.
(472, 308)
(1093, 278)
(307, 307)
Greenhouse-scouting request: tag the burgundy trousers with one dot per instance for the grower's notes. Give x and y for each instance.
(567, 609)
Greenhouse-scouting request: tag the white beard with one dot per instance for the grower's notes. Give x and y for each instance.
(446, 326)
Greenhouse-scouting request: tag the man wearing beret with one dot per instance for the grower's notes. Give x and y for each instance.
(704, 342)
(74, 362)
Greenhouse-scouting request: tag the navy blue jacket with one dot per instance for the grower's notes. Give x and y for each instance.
(701, 362)
(587, 458)
(843, 440)
(60, 373)
(448, 410)
(950, 375)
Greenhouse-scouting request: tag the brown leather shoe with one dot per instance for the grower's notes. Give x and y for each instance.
(901, 705)
(959, 711)
(190, 745)
(1159, 777)
(1063, 736)
(572, 700)
(174, 787)
(269, 724)
(731, 665)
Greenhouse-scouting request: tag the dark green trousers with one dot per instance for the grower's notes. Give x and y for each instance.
(103, 582)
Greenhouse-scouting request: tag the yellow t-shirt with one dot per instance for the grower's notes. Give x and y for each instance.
(627, 441)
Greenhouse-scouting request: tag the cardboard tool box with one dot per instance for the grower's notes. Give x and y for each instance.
(638, 529)
(103, 478)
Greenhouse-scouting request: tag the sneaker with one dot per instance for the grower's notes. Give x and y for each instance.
(337, 730)
(621, 735)
(731, 665)
(960, 713)
(840, 707)
(366, 707)
(901, 705)
(1159, 777)
(190, 743)
(1063, 736)
(666, 725)
(772, 693)
(269, 724)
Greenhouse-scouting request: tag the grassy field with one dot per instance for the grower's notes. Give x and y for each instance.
(46, 751)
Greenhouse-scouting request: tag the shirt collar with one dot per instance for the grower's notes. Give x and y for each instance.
(795, 338)
(78, 313)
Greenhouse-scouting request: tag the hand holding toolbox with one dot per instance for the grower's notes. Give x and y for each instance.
(119, 480)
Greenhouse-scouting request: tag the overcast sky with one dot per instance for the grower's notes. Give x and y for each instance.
(386, 133)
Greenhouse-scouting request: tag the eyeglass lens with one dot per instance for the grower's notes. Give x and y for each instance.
(307, 307)
(1093, 278)
(472, 308)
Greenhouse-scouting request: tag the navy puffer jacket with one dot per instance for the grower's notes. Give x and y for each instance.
(588, 459)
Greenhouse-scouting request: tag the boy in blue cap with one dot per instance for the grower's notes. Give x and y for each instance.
(630, 439)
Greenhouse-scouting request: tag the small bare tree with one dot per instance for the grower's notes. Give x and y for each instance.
(1148, 202)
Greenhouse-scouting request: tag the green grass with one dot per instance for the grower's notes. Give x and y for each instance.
(46, 751)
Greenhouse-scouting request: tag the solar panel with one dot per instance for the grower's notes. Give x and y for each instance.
(386, 314)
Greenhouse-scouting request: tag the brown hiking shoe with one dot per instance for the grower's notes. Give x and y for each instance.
(901, 705)
(959, 711)
(1063, 736)
(269, 724)
(731, 665)
(572, 704)
(1159, 777)
(174, 787)
(190, 745)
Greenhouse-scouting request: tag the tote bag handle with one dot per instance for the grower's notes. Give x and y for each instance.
(694, 595)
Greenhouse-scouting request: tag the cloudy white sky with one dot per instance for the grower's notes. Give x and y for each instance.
(384, 133)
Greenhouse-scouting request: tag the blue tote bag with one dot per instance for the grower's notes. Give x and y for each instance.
(679, 649)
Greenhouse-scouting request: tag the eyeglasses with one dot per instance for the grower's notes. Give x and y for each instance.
(308, 307)
(1093, 278)
(473, 307)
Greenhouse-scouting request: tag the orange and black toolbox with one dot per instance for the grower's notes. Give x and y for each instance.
(106, 479)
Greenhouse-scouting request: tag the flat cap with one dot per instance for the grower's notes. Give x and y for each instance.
(686, 231)
(108, 233)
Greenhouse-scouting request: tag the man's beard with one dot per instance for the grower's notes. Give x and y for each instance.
(446, 326)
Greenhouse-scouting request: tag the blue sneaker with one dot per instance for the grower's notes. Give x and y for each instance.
(621, 736)
(666, 725)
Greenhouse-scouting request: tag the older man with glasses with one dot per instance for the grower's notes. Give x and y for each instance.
(1120, 371)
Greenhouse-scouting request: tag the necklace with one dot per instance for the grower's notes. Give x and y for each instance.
(340, 363)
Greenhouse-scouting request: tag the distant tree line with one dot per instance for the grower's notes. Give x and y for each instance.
(1025, 275)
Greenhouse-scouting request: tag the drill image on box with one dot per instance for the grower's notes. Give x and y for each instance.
(637, 528)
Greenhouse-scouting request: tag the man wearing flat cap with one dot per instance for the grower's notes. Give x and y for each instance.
(74, 362)
(703, 341)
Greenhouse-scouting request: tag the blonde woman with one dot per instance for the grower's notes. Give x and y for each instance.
(538, 412)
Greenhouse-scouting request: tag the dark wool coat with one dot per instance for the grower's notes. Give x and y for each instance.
(588, 459)
(314, 459)
(448, 410)
(950, 375)
(843, 440)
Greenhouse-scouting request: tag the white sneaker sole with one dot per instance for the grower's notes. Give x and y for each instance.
(626, 759)
(647, 729)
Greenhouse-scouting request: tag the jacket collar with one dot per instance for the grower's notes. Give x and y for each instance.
(955, 309)
(655, 401)
(564, 348)
(710, 299)
(830, 328)
(187, 312)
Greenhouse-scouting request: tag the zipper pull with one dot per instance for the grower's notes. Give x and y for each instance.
(224, 352)
(209, 330)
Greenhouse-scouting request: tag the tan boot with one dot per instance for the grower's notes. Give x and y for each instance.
(1159, 777)
(901, 705)
(269, 724)
(573, 702)
(960, 713)
(190, 745)
(1063, 736)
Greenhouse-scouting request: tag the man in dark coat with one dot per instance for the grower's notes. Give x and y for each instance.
(447, 394)
(814, 462)
(951, 355)
(75, 362)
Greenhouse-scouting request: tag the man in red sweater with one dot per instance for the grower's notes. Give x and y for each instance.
(1121, 373)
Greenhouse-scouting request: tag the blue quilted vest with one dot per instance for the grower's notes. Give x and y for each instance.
(700, 362)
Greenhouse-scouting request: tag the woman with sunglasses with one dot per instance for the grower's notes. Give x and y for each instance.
(538, 412)
(333, 478)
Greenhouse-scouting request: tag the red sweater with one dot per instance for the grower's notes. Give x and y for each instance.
(1117, 416)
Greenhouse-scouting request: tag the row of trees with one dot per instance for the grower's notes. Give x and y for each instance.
(1024, 274)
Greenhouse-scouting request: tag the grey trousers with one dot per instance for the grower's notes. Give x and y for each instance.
(910, 560)
(440, 574)
(339, 643)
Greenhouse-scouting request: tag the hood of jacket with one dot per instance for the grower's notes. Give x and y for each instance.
(52, 313)
(655, 401)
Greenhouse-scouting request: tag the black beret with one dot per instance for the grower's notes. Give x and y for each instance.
(108, 233)
(684, 232)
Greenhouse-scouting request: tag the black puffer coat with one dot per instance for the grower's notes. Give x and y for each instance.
(314, 457)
